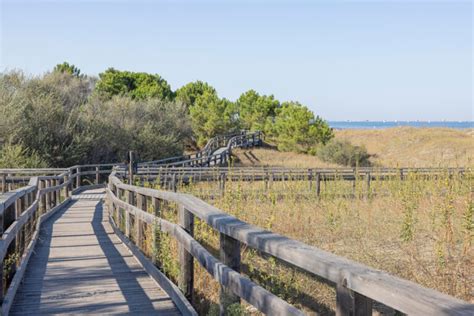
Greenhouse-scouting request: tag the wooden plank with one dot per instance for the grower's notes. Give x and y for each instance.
(93, 275)
(186, 272)
(376, 284)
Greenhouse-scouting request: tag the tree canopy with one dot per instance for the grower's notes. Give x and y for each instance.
(211, 116)
(64, 118)
(255, 110)
(188, 93)
(137, 85)
(65, 67)
(297, 129)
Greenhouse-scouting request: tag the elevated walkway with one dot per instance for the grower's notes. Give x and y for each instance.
(79, 266)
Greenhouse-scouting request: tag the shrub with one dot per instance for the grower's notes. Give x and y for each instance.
(153, 128)
(297, 129)
(137, 85)
(344, 153)
(17, 156)
(212, 116)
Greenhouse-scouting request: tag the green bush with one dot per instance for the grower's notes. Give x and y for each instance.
(17, 156)
(57, 117)
(344, 153)
(297, 129)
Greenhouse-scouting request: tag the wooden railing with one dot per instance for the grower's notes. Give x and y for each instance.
(170, 177)
(23, 210)
(207, 157)
(357, 286)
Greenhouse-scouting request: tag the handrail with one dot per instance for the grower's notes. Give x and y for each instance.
(24, 209)
(206, 156)
(364, 283)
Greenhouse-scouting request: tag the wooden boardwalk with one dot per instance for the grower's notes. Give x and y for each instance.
(79, 266)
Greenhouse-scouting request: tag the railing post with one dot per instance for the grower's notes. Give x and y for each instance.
(229, 255)
(318, 183)
(350, 303)
(10, 185)
(97, 175)
(141, 204)
(156, 204)
(4, 183)
(48, 195)
(66, 187)
(368, 179)
(310, 179)
(222, 183)
(78, 177)
(42, 185)
(130, 167)
(186, 273)
(58, 193)
(130, 200)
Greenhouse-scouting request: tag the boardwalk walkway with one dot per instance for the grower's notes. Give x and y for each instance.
(80, 266)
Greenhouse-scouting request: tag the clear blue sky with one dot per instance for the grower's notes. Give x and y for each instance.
(371, 60)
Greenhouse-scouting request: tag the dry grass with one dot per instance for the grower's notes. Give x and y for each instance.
(418, 229)
(415, 147)
(257, 157)
(393, 147)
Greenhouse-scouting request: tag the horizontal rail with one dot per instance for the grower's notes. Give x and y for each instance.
(400, 294)
(257, 296)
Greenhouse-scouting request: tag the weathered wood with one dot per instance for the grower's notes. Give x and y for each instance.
(262, 299)
(350, 303)
(378, 285)
(97, 175)
(186, 273)
(78, 177)
(106, 279)
(141, 204)
(318, 183)
(229, 249)
(131, 161)
(156, 205)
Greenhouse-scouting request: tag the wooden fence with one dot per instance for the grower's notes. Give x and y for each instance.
(357, 286)
(208, 156)
(316, 178)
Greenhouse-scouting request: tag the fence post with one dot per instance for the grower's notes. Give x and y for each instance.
(351, 303)
(186, 274)
(222, 184)
(97, 175)
(318, 183)
(4, 183)
(58, 193)
(42, 185)
(78, 177)
(155, 202)
(127, 214)
(141, 204)
(229, 255)
(48, 195)
(310, 179)
(368, 183)
(66, 186)
(130, 167)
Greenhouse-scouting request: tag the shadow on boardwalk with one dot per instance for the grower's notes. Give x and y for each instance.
(79, 266)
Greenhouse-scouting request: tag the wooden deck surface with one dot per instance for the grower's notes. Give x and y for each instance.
(80, 267)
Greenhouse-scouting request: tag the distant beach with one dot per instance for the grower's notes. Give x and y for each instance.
(388, 124)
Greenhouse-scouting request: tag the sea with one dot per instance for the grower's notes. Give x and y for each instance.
(388, 124)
